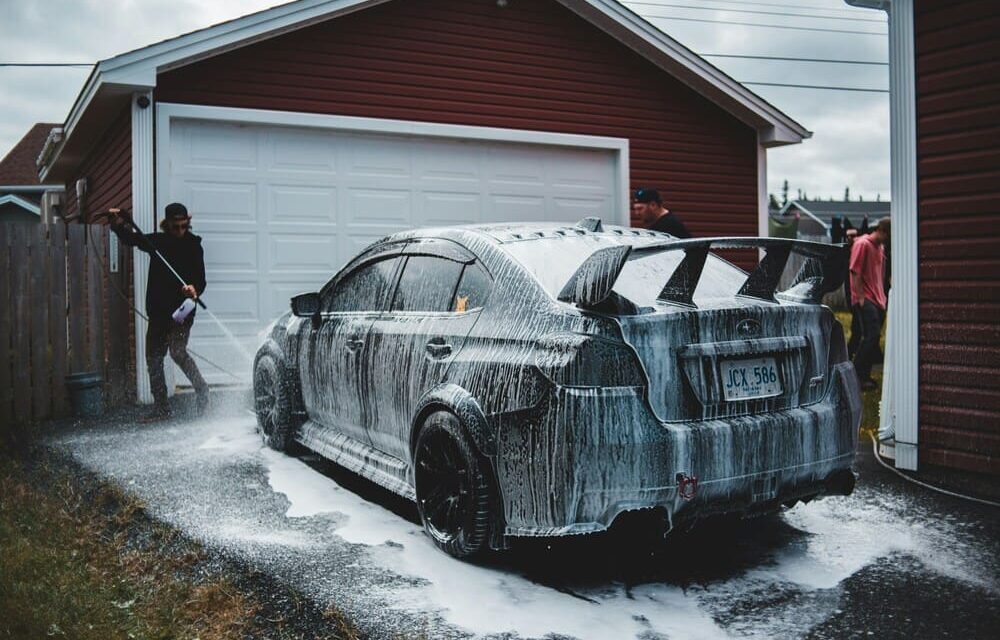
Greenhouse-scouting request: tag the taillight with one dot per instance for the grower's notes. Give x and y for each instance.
(577, 360)
(838, 346)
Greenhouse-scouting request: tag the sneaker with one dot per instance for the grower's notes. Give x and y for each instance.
(156, 414)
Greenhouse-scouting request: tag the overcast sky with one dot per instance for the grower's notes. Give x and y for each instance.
(849, 147)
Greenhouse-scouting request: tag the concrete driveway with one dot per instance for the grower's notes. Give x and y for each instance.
(888, 561)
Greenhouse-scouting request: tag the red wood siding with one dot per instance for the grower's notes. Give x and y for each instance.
(958, 146)
(108, 170)
(533, 65)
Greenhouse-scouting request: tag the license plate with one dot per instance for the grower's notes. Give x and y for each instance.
(750, 379)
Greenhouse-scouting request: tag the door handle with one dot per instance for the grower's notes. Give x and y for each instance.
(438, 349)
(353, 344)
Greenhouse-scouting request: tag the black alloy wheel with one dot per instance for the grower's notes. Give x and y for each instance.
(452, 487)
(272, 405)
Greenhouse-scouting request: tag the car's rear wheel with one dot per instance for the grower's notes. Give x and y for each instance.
(452, 485)
(273, 405)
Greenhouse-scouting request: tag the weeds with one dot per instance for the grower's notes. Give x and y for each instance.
(83, 560)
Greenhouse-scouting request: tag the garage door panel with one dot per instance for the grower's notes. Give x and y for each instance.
(450, 208)
(581, 207)
(379, 157)
(282, 209)
(233, 301)
(514, 208)
(214, 146)
(301, 152)
(451, 162)
(228, 251)
(220, 201)
(509, 166)
(297, 253)
(290, 203)
(369, 206)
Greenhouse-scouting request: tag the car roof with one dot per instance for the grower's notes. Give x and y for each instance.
(508, 232)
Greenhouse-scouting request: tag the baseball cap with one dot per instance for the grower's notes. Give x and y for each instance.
(176, 211)
(645, 195)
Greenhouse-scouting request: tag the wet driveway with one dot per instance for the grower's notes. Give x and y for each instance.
(888, 561)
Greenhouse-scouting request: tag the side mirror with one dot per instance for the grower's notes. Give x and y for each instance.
(306, 305)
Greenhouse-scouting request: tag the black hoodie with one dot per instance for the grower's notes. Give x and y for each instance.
(163, 291)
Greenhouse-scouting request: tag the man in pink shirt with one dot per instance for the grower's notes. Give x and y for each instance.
(868, 298)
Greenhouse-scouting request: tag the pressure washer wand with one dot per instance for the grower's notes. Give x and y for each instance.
(129, 221)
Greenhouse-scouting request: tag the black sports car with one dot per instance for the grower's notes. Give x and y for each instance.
(542, 379)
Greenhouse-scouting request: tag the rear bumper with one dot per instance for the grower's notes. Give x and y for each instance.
(586, 456)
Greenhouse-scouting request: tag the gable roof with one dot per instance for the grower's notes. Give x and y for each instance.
(112, 81)
(26, 203)
(18, 167)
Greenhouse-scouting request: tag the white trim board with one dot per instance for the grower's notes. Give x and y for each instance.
(12, 198)
(167, 112)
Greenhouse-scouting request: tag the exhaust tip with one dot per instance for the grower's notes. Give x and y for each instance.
(841, 483)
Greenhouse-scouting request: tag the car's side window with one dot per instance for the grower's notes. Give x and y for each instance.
(364, 289)
(473, 289)
(427, 284)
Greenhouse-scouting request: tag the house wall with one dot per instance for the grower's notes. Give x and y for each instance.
(532, 65)
(108, 170)
(958, 173)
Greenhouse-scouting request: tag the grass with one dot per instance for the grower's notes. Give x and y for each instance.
(83, 560)
(869, 399)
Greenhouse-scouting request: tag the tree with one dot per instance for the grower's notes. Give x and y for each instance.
(784, 193)
(772, 202)
(847, 194)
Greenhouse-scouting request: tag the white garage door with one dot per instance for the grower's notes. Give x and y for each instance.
(281, 209)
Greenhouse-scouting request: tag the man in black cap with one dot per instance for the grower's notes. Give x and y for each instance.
(648, 211)
(165, 295)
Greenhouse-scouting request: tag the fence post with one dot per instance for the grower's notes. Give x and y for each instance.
(58, 318)
(21, 333)
(38, 322)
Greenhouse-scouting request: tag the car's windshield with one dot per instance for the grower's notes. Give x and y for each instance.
(552, 261)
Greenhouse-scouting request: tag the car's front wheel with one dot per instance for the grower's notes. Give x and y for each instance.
(452, 486)
(273, 404)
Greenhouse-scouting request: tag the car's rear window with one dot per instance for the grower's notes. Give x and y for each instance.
(552, 261)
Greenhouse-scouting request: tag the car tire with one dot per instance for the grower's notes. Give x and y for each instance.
(273, 405)
(452, 486)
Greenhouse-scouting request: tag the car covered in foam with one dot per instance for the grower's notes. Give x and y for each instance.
(544, 379)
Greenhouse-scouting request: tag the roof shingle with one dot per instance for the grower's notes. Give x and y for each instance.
(18, 166)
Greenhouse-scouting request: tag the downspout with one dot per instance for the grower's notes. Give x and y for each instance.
(904, 384)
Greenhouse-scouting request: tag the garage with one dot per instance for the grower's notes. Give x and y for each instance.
(282, 202)
(298, 134)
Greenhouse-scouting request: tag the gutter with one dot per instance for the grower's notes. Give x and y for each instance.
(32, 188)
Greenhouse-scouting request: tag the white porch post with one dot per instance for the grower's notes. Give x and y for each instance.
(904, 385)
(143, 210)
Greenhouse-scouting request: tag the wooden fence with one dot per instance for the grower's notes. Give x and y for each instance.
(61, 314)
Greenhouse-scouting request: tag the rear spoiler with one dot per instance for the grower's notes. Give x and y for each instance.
(823, 270)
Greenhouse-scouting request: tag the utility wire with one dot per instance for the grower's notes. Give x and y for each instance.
(760, 12)
(762, 4)
(824, 60)
(45, 64)
(771, 26)
(814, 86)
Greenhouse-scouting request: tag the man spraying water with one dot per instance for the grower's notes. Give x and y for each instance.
(176, 280)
